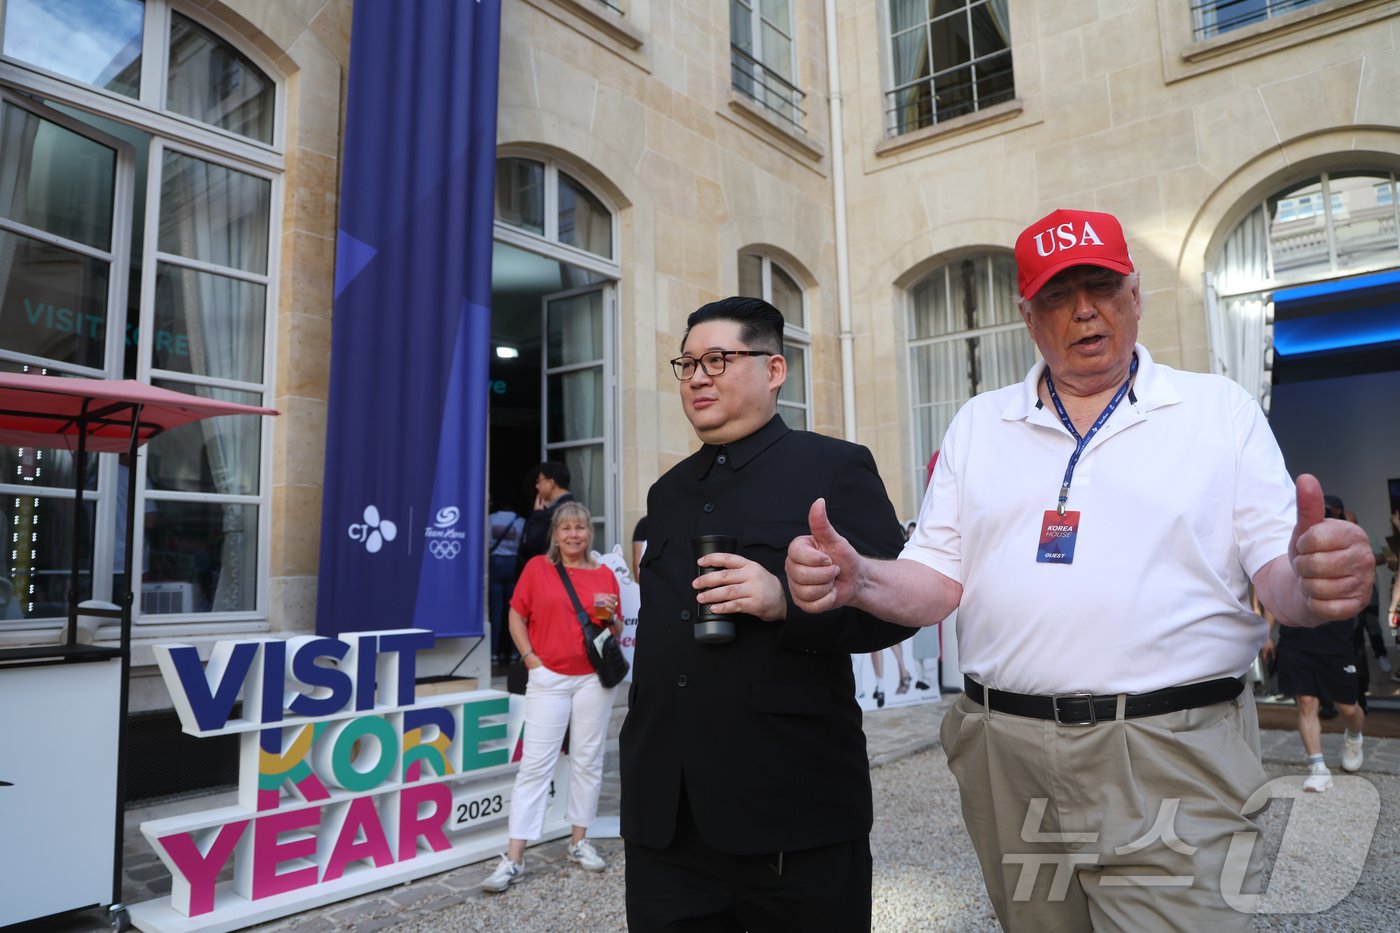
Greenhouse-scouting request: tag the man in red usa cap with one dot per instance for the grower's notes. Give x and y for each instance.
(1098, 527)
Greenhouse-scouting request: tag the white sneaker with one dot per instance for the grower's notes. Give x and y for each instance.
(1319, 779)
(1384, 662)
(1351, 752)
(587, 857)
(506, 874)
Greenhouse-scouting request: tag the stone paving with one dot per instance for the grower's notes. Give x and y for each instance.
(891, 734)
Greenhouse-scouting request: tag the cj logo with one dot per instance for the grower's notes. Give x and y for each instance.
(1065, 237)
(373, 531)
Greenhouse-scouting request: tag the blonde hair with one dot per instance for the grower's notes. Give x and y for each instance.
(569, 511)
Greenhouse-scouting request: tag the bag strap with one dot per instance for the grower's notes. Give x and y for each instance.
(505, 533)
(569, 588)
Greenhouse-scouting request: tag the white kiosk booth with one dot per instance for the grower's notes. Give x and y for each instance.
(63, 705)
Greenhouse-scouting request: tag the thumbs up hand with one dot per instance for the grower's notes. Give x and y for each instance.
(1332, 557)
(823, 570)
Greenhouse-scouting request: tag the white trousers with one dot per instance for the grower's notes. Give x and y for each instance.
(554, 702)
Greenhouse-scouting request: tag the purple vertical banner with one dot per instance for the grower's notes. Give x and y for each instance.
(403, 511)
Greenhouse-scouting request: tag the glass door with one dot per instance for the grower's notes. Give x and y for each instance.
(66, 196)
(579, 405)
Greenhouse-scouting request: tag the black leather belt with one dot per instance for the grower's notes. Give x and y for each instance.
(1084, 709)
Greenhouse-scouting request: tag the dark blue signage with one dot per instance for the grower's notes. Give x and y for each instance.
(404, 499)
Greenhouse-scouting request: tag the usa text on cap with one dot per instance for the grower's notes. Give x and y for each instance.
(1067, 238)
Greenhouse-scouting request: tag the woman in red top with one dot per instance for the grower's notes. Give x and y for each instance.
(563, 693)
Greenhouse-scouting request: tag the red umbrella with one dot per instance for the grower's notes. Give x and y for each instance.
(45, 411)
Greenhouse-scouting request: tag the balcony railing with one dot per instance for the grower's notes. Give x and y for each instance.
(766, 87)
(930, 101)
(1213, 17)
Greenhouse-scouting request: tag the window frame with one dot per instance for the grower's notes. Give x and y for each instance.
(547, 245)
(795, 336)
(762, 69)
(168, 131)
(946, 266)
(1327, 200)
(148, 109)
(566, 252)
(1261, 289)
(146, 371)
(893, 129)
(1184, 56)
(1201, 31)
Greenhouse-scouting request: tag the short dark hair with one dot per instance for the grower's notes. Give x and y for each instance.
(553, 469)
(760, 324)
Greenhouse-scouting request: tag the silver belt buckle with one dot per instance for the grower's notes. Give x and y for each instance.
(1087, 697)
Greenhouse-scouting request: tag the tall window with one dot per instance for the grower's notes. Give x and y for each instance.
(762, 57)
(554, 270)
(761, 277)
(1216, 16)
(1336, 223)
(137, 245)
(965, 337)
(948, 58)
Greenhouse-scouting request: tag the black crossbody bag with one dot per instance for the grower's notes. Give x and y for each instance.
(604, 653)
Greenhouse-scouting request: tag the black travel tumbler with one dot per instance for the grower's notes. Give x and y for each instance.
(712, 628)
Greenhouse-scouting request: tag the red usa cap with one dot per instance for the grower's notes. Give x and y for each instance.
(1067, 238)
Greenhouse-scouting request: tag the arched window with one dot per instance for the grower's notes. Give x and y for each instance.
(761, 277)
(965, 337)
(541, 198)
(139, 202)
(1329, 226)
(554, 324)
(102, 43)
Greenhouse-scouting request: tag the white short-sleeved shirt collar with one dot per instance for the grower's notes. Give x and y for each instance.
(1150, 390)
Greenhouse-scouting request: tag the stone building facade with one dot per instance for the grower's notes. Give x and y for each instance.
(657, 155)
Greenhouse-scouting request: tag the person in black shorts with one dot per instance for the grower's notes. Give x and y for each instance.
(1315, 666)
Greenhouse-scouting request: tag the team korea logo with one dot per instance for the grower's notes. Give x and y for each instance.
(444, 541)
(373, 531)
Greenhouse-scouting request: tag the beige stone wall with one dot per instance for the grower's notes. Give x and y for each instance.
(1117, 110)
(694, 177)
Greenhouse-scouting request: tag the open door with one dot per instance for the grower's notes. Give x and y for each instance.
(579, 423)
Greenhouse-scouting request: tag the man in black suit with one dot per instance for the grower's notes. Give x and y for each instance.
(745, 782)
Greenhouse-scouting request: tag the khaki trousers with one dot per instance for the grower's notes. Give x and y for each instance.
(1122, 825)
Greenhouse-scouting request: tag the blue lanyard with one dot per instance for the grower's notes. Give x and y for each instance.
(1081, 442)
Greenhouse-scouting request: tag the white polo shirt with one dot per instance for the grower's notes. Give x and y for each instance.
(1183, 496)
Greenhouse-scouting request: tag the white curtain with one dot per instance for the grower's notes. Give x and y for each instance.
(1239, 310)
(580, 322)
(218, 215)
(941, 374)
(1002, 19)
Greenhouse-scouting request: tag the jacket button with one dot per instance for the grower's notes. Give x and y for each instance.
(709, 506)
(685, 615)
(721, 460)
(682, 680)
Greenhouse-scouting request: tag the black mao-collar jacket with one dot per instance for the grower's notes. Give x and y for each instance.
(764, 732)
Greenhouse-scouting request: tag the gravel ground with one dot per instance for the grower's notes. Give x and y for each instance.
(926, 877)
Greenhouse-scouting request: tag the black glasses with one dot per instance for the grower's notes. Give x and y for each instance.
(712, 361)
